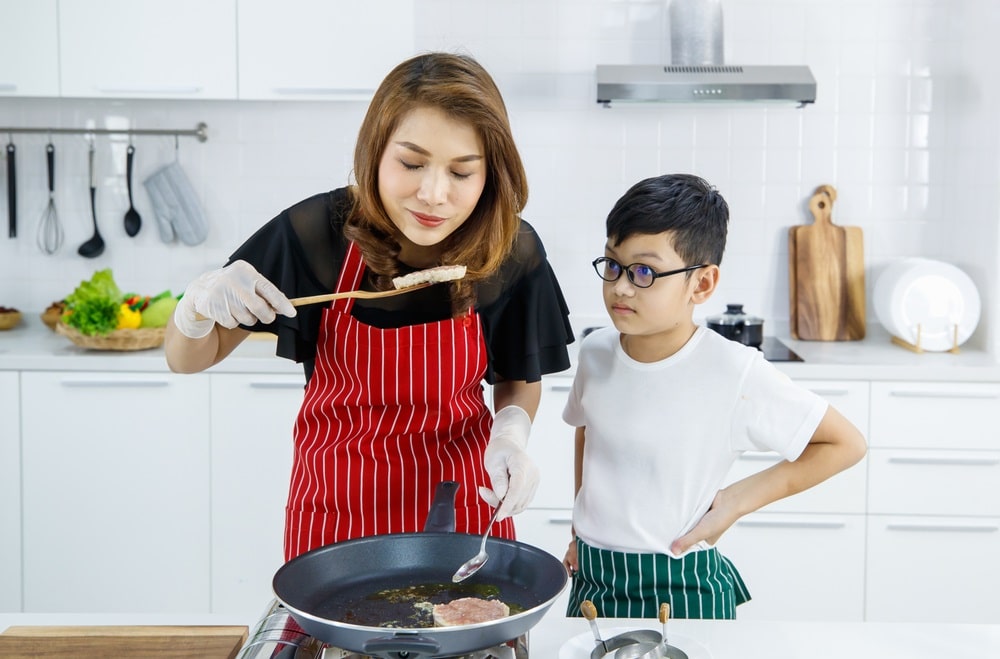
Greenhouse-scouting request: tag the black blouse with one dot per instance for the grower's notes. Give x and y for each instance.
(524, 315)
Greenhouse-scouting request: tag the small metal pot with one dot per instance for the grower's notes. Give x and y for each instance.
(738, 326)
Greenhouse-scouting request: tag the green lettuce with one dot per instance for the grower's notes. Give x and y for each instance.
(94, 305)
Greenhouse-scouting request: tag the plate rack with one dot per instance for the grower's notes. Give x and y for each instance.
(916, 345)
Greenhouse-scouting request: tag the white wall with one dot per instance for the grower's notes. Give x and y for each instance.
(905, 127)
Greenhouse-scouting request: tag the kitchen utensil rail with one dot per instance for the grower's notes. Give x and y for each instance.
(200, 131)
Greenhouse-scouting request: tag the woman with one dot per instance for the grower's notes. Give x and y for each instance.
(394, 402)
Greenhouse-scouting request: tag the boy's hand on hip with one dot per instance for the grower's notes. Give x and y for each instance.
(709, 528)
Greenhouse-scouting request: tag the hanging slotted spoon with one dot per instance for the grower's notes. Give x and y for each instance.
(50, 232)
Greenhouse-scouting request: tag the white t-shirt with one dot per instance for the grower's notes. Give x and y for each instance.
(662, 436)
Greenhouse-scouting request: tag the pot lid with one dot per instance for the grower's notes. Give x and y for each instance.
(734, 316)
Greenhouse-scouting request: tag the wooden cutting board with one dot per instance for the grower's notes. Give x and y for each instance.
(826, 276)
(152, 642)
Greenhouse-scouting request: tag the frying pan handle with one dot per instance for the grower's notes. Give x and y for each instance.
(441, 517)
(401, 644)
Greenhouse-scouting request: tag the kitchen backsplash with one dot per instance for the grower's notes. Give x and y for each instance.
(904, 127)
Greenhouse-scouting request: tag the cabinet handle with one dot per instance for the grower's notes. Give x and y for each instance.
(786, 524)
(126, 89)
(943, 394)
(277, 385)
(321, 91)
(760, 457)
(113, 383)
(560, 387)
(831, 392)
(937, 527)
(970, 462)
(564, 520)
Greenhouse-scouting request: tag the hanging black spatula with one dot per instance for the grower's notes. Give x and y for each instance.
(11, 193)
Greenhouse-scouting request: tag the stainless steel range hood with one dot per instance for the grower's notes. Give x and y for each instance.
(697, 72)
(696, 84)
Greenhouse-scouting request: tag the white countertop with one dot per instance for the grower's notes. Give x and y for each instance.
(721, 639)
(31, 346)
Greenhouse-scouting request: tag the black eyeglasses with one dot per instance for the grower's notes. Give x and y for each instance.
(640, 275)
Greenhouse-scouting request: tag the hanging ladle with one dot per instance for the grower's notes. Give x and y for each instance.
(133, 222)
(95, 246)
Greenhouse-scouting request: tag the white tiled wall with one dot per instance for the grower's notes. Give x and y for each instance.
(905, 127)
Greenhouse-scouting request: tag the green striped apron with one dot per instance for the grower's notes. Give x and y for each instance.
(700, 584)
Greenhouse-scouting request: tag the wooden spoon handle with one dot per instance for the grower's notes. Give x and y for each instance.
(327, 297)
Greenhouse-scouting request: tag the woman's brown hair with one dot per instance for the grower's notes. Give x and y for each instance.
(460, 87)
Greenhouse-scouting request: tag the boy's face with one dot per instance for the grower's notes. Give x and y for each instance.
(663, 312)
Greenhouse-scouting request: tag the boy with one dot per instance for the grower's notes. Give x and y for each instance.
(662, 407)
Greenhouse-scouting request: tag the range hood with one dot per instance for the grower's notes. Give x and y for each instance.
(697, 72)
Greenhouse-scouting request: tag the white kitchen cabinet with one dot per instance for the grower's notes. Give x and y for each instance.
(800, 567)
(320, 49)
(115, 491)
(933, 569)
(29, 50)
(252, 420)
(548, 529)
(934, 505)
(551, 445)
(10, 493)
(179, 49)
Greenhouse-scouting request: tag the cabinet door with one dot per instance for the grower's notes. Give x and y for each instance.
(933, 569)
(115, 492)
(252, 419)
(148, 48)
(551, 445)
(316, 49)
(10, 493)
(29, 49)
(800, 567)
(935, 415)
(844, 492)
(940, 482)
(548, 529)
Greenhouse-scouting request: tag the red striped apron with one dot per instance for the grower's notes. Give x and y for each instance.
(387, 415)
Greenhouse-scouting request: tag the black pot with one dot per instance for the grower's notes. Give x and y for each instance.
(738, 326)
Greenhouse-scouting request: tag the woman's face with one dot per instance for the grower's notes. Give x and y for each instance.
(430, 179)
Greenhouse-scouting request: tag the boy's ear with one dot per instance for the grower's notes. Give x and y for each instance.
(707, 281)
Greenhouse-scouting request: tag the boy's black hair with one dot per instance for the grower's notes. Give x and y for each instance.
(685, 205)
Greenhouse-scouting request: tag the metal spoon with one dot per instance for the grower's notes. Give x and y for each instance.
(660, 650)
(133, 222)
(471, 566)
(95, 246)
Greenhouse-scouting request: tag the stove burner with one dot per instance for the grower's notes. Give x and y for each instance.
(278, 635)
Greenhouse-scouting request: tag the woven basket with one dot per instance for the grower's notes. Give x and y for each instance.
(124, 339)
(9, 319)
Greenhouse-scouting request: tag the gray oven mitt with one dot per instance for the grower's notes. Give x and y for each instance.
(176, 206)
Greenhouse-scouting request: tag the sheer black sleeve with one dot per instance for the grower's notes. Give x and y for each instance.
(525, 316)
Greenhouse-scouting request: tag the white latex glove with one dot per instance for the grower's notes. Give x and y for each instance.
(234, 295)
(513, 474)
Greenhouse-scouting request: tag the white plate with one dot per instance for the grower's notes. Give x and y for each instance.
(934, 295)
(580, 647)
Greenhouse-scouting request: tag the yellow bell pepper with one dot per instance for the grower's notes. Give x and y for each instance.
(128, 318)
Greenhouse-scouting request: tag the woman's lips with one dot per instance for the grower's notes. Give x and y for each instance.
(428, 220)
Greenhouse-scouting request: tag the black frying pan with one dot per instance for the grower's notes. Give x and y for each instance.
(326, 588)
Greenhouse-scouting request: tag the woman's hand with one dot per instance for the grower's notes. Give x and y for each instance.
(234, 295)
(512, 472)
